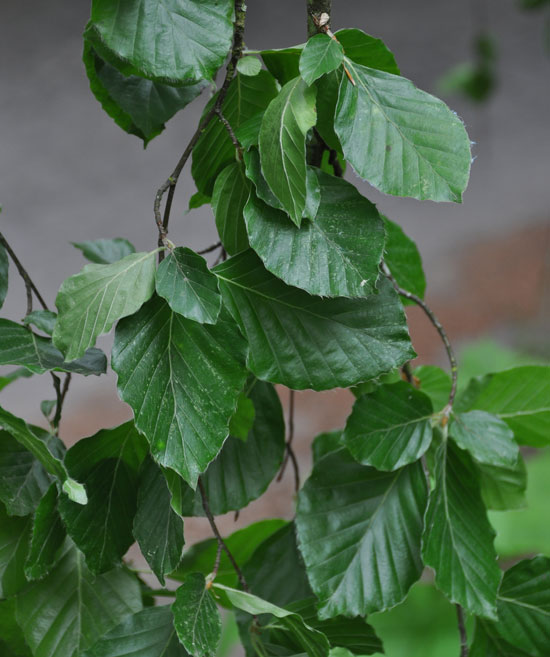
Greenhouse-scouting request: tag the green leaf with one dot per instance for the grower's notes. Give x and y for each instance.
(325, 443)
(310, 641)
(402, 140)
(20, 346)
(488, 439)
(327, 99)
(338, 254)
(487, 643)
(107, 463)
(157, 528)
(253, 171)
(105, 252)
(231, 192)
(249, 65)
(14, 542)
(183, 414)
(149, 633)
(458, 539)
(389, 428)
(503, 487)
(246, 97)
(241, 423)
(286, 122)
(149, 36)
(435, 383)
(519, 396)
(196, 617)
(248, 133)
(321, 55)
(284, 63)
(4, 269)
(242, 471)
(306, 342)
(189, 287)
(63, 621)
(404, 261)
(12, 643)
(23, 479)
(44, 320)
(48, 534)
(359, 532)
(367, 51)
(197, 200)
(90, 302)
(140, 107)
(10, 377)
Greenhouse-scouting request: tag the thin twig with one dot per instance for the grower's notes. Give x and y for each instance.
(221, 542)
(462, 631)
(290, 455)
(335, 163)
(231, 133)
(217, 562)
(210, 248)
(60, 394)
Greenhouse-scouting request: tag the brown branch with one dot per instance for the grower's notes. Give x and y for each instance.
(60, 394)
(231, 133)
(210, 248)
(462, 631)
(290, 455)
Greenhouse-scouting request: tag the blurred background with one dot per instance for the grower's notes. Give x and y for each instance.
(68, 173)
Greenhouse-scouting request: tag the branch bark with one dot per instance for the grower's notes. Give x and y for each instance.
(314, 9)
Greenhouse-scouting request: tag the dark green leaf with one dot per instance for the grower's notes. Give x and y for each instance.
(157, 528)
(359, 532)
(458, 539)
(184, 280)
(325, 443)
(404, 261)
(197, 200)
(14, 544)
(389, 428)
(487, 643)
(327, 99)
(105, 252)
(44, 320)
(48, 534)
(284, 64)
(338, 254)
(246, 97)
(402, 140)
(19, 373)
(249, 65)
(12, 643)
(63, 621)
(4, 267)
(108, 464)
(241, 423)
(503, 487)
(254, 173)
(230, 195)
(248, 133)
(150, 35)
(196, 617)
(286, 122)
(434, 382)
(307, 342)
(161, 358)
(20, 346)
(90, 302)
(321, 55)
(488, 439)
(149, 633)
(367, 51)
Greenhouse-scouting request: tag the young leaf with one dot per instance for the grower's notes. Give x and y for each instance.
(307, 342)
(367, 51)
(338, 254)
(503, 487)
(435, 383)
(488, 439)
(108, 464)
(231, 192)
(63, 621)
(157, 528)
(321, 55)
(48, 534)
(404, 261)
(149, 36)
(284, 63)
(149, 633)
(189, 287)
(89, 303)
(402, 140)
(389, 428)
(4, 267)
(458, 539)
(359, 532)
(196, 617)
(286, 122)
(14, 543)
(44, 320)
(105, 252)
(160, 358)
(249, 65)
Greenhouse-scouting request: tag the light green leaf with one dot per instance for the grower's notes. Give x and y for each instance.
(286, 122)
(89, 303)
(402, 140)
(389, 428)
(338, 254)
(307, 342)
(231, 192)
(196, 617)
(404, 261)
(458, 539)
(359, 532)
(246, 97)
(434, 382)
(44, 320)
(157, 528)
(283, 63)
(366, 50)
(189, 287)
(10, 377)
(63, 621)
(321, 55)
(519, 396)
(488, 439)
(20, 346)
(48, 534)
(4, 270)
(149, 35)
(149, 633)
(503, 487)
(14, 543)
(249, 65)
(310, 641)
(108, 464)
(197, 200)
(241, 423)
(183, 414)
(105, 252)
